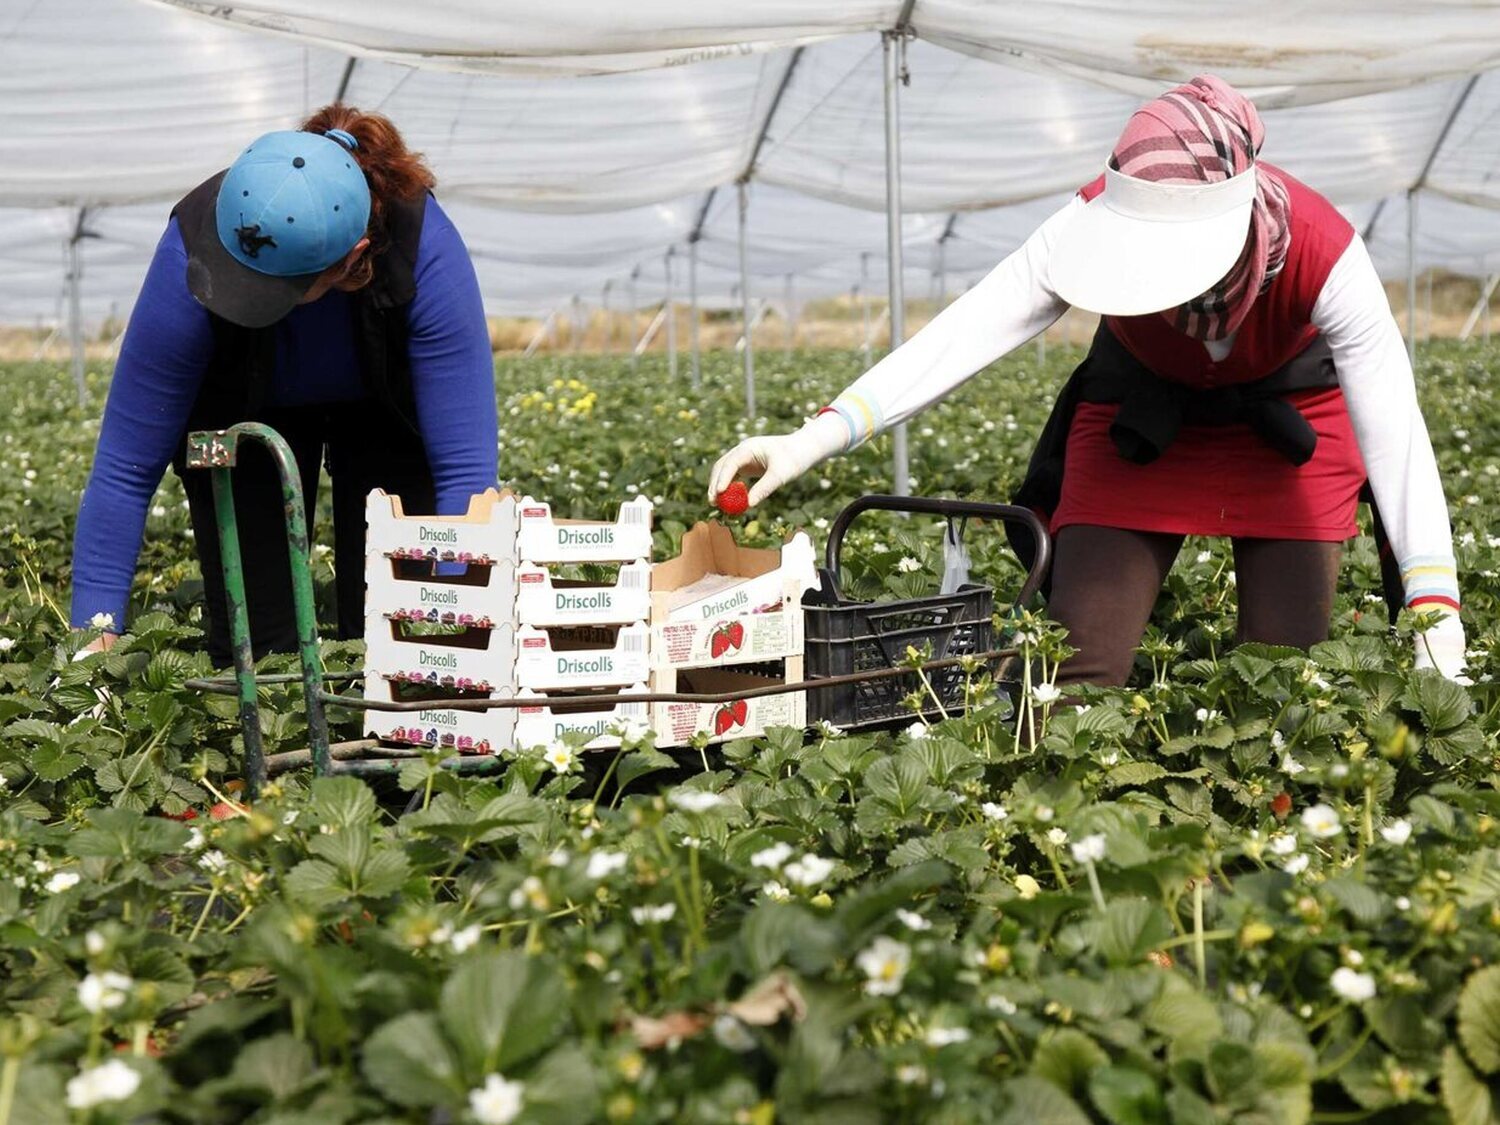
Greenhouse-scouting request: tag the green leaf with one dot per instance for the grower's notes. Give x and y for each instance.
(1434, 814)
(1181, 1012)
(1130, 928)
(1065, 1057)
(775, 932)
(277, 1064)
(1035, 1101)
(562, 1089)
(1364, 904)
(1126, 1096)
(641, 762)
(407, 1060)
(501, 1009)
(51, 763)
(1479, 1019)
(316, 882)
(1133, 774)
(343, 802)
(1442, 704)
(36, 730)
(1230, 1072)
(1468, 1100)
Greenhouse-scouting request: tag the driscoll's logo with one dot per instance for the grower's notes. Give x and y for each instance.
(576, 602)
(600, 665)
(586, 537)
(435, 660)
(445, 718)
(438, 534)
(734, 601)
(593, 730)
(439, 597)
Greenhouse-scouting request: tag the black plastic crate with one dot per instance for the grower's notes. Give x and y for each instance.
(846, 637)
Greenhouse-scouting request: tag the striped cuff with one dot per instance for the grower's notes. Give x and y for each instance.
(860, 414)
(1430, 581)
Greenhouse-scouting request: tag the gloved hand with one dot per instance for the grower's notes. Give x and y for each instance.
(1442, 646)
(779, 458)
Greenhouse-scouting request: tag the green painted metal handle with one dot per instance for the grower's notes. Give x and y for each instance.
(218, 451)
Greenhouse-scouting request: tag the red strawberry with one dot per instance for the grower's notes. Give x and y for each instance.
(718, 644)
(736, 634)
(723, 720)
(222, 811)
(185, 814)
(734, 500)
(1281, 804)
(738, 710)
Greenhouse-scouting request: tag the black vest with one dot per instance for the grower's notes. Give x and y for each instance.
(243, 362)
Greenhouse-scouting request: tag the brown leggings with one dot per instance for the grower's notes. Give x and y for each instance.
(1105, 581)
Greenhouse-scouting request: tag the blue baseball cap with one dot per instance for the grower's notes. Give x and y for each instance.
(291, 205)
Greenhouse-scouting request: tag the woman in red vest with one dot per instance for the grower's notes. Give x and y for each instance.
(1246, 380)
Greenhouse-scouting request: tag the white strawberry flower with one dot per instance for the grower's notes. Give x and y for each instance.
(661, 913)
(94, 942)
(993, 811)
(918, 729)
(7, 643)
(1090, 849)
(808, 871)
(1296, 865)
(466, 938)
(62, 881)
(497, 1102)
(113, 1081)
(694, 800)
(732, 1035)
(1057, 837)
(1397, 832)
(946, 1036)
(102, 621)
(559, 756)
(213, 862)
(1283, 843)
(100, 992)
(1321, 822)
(1046, 694)
(775, 891)
(772, 857)
(884, 964)
(908, 565)
(913, 921)
(604, 864)
(1356, 987)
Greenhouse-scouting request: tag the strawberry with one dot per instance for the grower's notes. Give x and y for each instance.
(738, 710)
(222, 811)
(723, 720)
(736, 634)
(734, 500)
(185, 814)
(718, 644)
(1281, 804)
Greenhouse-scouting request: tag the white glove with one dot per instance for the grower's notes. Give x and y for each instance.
(1442, 646)
(779, 458)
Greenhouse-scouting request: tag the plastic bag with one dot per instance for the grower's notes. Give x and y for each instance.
(955, 561)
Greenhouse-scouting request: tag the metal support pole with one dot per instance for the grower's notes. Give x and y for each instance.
(744, 200)
(864, 304)
(693, 312)
(671, 312)
(894, 44)
(75, 309)
(1411, 276)
(1481, 306)
(791, 318)
(575, 323)
(630, 307)
(609, 335)
(942, 277)
(1427, 334)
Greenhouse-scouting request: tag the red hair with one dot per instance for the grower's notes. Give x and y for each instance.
(393, 171)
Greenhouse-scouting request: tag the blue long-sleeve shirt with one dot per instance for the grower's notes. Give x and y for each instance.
(165, 355)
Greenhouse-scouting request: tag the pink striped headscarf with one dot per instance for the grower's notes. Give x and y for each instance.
(1205, 132)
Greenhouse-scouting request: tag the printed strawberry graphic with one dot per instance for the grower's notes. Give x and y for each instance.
(723, 720)
(738, 710)
(718, 643)
(734, 500)
(736, 634)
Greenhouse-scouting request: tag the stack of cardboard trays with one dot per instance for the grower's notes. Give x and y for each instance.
(440, 599)
(726, 618)
(578, 640)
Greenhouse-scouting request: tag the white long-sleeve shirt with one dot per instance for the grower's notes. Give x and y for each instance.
(1016, 300)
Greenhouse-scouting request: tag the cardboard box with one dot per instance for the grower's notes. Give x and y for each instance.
(486, 533)
(477, 660)
(542, 539)
(554, 715)
(677, 723)
(544, 600)
(751, 607)
(484, 597)
(468, 732)
(581, 656)
(763, 580)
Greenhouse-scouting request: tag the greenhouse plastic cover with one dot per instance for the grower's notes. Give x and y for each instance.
(578, 145)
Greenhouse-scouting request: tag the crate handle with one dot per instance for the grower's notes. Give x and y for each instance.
(933, 505)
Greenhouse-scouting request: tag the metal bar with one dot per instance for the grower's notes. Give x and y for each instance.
(894, 51)
(666, 305)
(1437, 147)
(635, 356)
(228, 685)
(344, 79)
(608, 334)
(359, 703)
(575, 323)
(296, 759)
(1427, 332)
(541, 334)
(75, 305)
(749, 353)
(693, 312)
(697, 232)
(1486, 291)
(864, 301)
(1411, 276)
(650, 334)
(1374, 218)
(239, 631)
(765, 126)
(791, 318)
